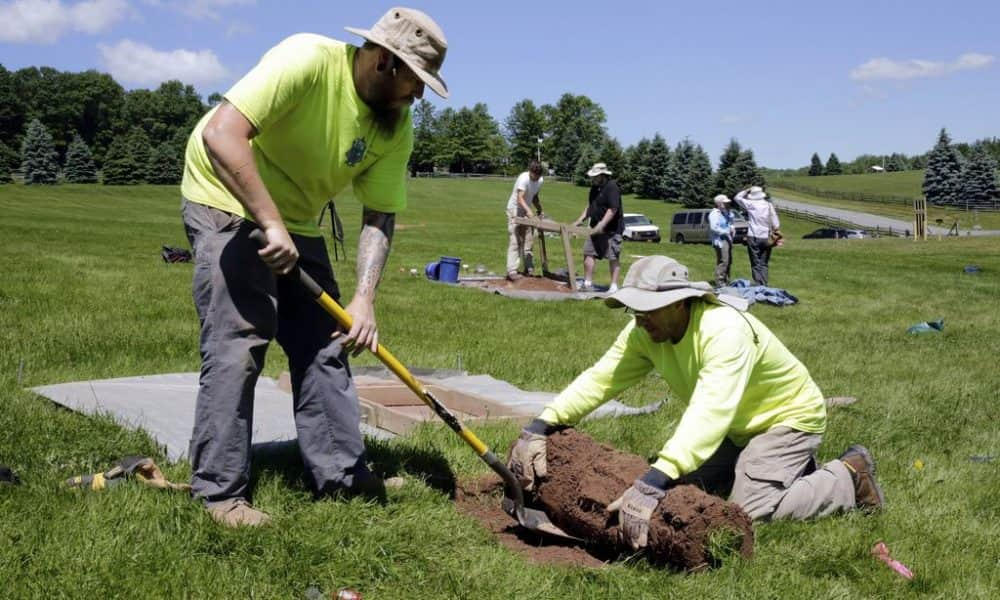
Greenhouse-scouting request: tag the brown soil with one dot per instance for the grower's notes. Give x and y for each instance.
(480, 499)
(690, 529)
(533, 284)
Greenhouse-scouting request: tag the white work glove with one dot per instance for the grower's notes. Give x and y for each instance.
(528, 457)
(634, 508)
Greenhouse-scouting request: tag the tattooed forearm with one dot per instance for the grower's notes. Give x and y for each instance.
(373, 249)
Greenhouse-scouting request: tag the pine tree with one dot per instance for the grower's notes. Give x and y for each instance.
(652, 176)
(746, 173)
(979, 181)
(39, 160)
(166, 165)
(119, 164)
(724, 182)
(8, 161)
(141, 149)
(588, 156)
(694, 173)
(816, 166)
(833, 166)
(635, 158)
(79, 163)
(942, 179)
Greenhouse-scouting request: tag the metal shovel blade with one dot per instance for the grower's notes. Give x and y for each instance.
(534, 519)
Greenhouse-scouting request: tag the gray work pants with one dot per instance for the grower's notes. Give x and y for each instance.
(759, 250)
(723, 261)
(775, 477)
(242, 306)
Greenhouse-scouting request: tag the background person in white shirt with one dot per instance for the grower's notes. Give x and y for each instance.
(763, 220)
(525, 190)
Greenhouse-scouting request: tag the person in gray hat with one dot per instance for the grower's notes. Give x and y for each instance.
(754, 416)
(312, 117)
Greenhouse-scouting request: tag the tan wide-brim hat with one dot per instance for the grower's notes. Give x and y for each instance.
(657, 281)
(756, 193)
(598, 169)
(416, 39)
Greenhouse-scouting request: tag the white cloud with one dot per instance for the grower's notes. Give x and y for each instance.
(200, 9)
(887, 68)
(45, 21)
(239, 29)
(137, 63)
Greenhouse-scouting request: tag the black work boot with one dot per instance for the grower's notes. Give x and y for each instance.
(867, 493)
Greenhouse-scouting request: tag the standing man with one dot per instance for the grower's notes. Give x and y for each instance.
(763, 222)
(754, 416)
(604, 211)
(721, 229)
(313, 116)
(526, 189)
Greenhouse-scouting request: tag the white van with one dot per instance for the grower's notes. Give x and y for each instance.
(691, 226)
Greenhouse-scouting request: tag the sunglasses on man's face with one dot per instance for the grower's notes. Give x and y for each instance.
(639, 314)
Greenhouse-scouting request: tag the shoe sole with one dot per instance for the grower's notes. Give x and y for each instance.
(870, 464)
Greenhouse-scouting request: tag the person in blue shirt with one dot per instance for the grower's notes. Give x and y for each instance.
(720, 224)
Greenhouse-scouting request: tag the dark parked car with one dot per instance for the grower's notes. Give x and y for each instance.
(835, 233)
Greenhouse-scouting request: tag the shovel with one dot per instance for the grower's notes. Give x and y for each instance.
(513, 502)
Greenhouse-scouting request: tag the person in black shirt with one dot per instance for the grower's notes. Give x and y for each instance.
(604, 212)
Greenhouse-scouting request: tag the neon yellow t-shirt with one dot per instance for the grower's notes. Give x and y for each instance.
(733, 387)
(301, 99)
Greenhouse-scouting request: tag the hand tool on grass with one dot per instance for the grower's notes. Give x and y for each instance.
(513, 502)
(140, 468)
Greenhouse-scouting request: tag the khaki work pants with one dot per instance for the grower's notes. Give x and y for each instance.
(520, 240)
(775, 477)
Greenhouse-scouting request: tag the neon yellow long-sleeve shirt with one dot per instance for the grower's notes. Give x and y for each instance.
(733, 386)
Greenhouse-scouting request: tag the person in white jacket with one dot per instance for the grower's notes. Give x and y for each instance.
(764, 226)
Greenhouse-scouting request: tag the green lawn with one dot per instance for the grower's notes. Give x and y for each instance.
(84, 295)
(900, 183)
(948, 216)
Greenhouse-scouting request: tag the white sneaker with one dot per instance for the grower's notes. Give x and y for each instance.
(613, 288)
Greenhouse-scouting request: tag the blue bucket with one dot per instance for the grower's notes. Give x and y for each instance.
(448, 271)
(431, 271)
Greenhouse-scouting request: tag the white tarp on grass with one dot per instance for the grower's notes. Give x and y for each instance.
(163, 405)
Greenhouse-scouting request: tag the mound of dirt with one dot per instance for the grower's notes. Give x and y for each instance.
(527, 284)
(689, 530)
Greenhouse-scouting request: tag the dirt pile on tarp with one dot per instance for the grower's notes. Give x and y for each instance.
(690, 528)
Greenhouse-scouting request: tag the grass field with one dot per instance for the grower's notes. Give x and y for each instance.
(904, 184)
(84, 295)
(899, 183)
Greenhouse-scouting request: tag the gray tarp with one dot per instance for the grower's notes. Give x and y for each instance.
(163, 405)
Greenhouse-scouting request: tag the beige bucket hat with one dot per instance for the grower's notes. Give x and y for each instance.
(416, 39)
(657, 281)
(722, 198)
(756, 193)
(598, 169)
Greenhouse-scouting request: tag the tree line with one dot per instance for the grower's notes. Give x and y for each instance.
(81, 127)
(896, 161)
(568, 137)
(79, 124)
(962, 179)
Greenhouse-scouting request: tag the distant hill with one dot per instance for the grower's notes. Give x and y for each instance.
(900, 184)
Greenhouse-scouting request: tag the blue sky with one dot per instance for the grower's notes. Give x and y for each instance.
(785, 78)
